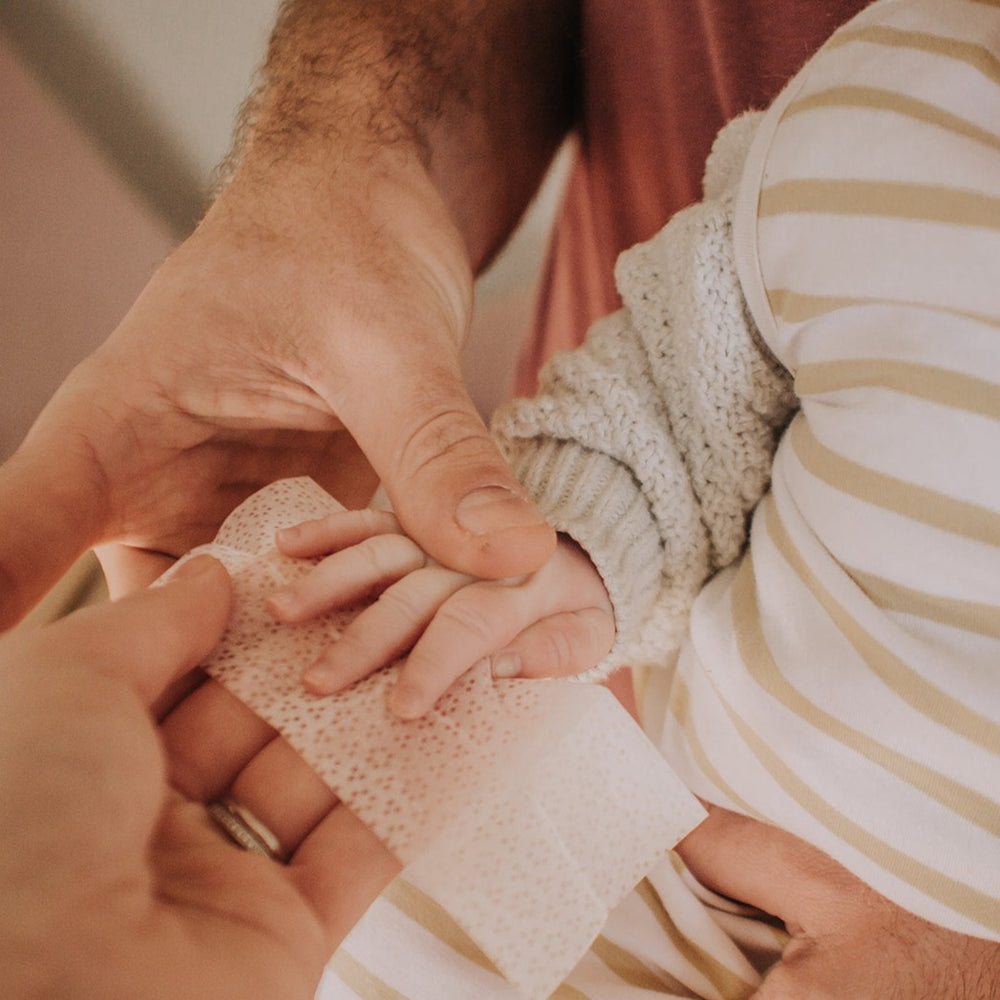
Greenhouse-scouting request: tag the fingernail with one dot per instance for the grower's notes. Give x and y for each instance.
(405, 702)
(319, 678)
(281, 603)
(287, 533)
(506, 665)
(495, 508)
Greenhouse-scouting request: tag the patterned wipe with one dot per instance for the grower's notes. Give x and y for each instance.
(527, 809)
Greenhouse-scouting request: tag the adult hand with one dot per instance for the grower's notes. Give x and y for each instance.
(282, 331)
(554, 622)
(388, 152)
(847, 941)
(111, 883)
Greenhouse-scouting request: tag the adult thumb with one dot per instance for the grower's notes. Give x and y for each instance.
(448, 483)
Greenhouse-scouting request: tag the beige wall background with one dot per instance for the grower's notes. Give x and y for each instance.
(113, 115)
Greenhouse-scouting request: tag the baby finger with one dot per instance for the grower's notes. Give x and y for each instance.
(385, 631)
(335, 531)
(348, 576)
(476, 622)
(561, 645)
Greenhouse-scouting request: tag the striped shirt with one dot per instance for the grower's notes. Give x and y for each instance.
(843, 680)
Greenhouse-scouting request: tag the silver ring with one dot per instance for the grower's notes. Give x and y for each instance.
(245, 829)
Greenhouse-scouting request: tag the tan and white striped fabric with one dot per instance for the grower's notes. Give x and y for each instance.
(669, 938)
(842, 680)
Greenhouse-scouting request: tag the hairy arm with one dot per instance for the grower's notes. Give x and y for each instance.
(312, 323)
(475, 94)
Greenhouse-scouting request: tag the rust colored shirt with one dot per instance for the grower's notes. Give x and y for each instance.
(661, 77)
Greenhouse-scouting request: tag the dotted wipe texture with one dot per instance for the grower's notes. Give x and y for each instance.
(527, 809)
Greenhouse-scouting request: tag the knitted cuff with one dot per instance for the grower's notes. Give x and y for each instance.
(593, 499)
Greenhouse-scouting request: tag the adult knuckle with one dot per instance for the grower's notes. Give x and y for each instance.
(450, 435)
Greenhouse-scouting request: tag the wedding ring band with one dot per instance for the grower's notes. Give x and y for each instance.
(245, 829)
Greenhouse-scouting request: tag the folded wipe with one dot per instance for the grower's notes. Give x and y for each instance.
(526, 808)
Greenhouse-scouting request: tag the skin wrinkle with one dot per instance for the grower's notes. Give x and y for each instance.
(396, 85)
(438, 438)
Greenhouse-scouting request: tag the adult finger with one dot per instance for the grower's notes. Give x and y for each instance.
(209, 737)
(42, 540)
(284, 793)
(761, 865)
(127, 569)
(341, 868)
(449, 485)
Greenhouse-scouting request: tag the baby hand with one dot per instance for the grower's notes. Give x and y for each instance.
(554, 622)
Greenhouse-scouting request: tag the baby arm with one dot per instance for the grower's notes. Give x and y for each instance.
(554, 622)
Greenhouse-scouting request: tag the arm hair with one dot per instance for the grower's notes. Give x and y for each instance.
(480, 92)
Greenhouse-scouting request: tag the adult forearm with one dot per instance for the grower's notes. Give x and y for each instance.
(476, 93)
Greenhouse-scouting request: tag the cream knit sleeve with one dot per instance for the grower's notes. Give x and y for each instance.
(651, 443)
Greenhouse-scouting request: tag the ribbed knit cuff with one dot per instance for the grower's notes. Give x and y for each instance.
(594, 500)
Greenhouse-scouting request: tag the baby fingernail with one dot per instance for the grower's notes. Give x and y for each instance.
(406, 702)
(506, 665)
(319, 678)
(281, 603)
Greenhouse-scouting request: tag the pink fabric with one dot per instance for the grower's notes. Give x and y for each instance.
(660, 79)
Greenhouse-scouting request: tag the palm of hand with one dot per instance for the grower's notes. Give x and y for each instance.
(234, 920)
(116, 884)
(202, 917)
